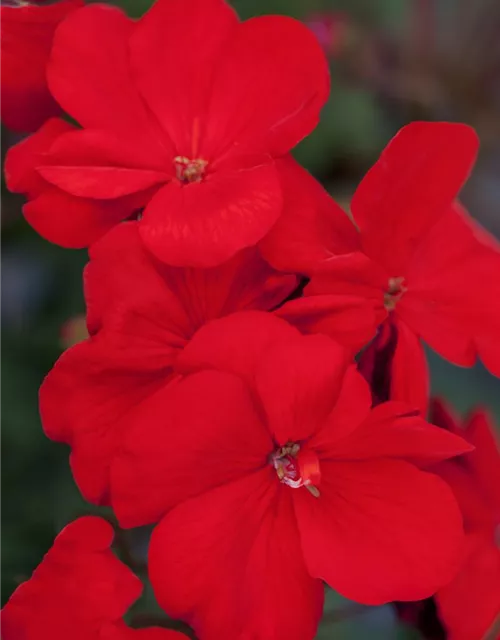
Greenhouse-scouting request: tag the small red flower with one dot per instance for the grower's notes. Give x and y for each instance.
(27, 31)
(418, 258)
(80, 590)
(141, 313)
(470, 604)
(183, 116)
(269, 472)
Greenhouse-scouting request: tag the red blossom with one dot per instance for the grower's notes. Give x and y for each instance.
(418, 258)
(27, 32)
(470, 604)
(80, 590)
(269, 472)
(183, 115)
(141, 313)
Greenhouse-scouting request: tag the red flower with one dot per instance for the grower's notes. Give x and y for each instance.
(183, 114)
(470, 604)
(141, 313)
(269, 473)
(418, 258)
(27, 32)
(80, 590)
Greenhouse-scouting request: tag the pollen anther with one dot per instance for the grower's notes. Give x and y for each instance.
(395, 290)
(188, 171)
(295, 468)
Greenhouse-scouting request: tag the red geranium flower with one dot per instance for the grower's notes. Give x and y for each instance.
(269, 473)
(183, 114)
(418, 258)
(27, 31)
(140, 313)
(80, 590)
(470, 604)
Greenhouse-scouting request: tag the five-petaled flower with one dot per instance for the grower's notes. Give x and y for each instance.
(426, 267)
(80, 590)
(140, 313)
(269, 472)
(184, 116)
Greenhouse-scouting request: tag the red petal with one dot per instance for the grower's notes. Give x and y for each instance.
(409, 373)
(27, 33)
(23, 158)
(236, 343)
(416, 179)
(351, 409)
(203, 224)
(470, 604)
(98, 164)
(94, 83)
(352, 274)
(123, 276)
(298, 383)
(312, 228)
(484, 461)
(173, 42)
(79, 587)
(101, 182)
(89, 532)
(450, 298)
(73, 222)
(89, 390)
(269, 86)
(395, 430)
(380, 531)
(349, 320)
(230, 563)
(177, 448)
(442, 415)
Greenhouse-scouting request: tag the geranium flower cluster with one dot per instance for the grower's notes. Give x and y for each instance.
(254, 383)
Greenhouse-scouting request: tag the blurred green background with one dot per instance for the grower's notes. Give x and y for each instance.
(392, 61)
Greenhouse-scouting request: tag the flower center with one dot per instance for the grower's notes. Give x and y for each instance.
(395, 290)
(297, 468)
(188, 171)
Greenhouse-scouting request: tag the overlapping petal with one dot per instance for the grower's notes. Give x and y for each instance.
(312, 228)
(185, 40)
(236, 343)
(298, 383)
(276, 62)
(204, 224)
(238, 533)
(374, 518)
(189, 437)
(470, 604)
(90, 390)
(396, 430)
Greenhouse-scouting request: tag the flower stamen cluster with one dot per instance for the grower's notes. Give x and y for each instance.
(296, 469)
(188, 171)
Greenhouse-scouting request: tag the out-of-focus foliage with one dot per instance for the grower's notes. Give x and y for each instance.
(399, 60)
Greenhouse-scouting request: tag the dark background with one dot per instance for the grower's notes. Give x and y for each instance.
(392, 61)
